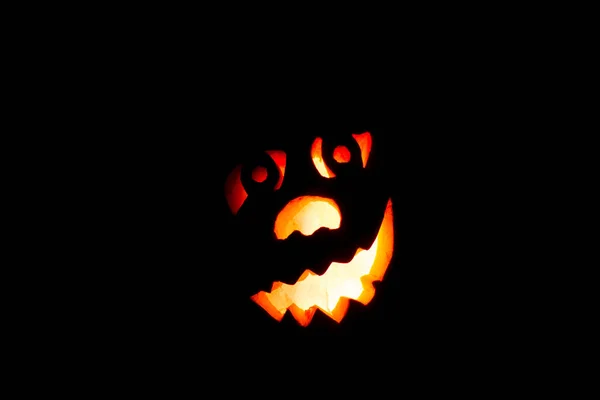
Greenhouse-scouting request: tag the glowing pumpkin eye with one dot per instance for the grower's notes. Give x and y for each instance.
(259, 174)
(341, 154)
(236, 194)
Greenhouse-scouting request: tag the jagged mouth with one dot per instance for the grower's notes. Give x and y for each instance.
(317, 250)
(340, 282)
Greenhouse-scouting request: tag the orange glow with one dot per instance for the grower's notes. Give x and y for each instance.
(341, 154)
(331, 291)
(307, 214)
(259, 174)
(234, 190)
(279, 157)
(364, 141)
(317, 157)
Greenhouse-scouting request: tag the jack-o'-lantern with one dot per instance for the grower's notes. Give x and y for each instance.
(318, 222)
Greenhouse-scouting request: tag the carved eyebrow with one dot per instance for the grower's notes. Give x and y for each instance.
(280, 158)
(316, 153)
(234, 190)
(365, 141)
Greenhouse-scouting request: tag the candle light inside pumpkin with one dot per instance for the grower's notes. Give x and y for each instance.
(331, 291)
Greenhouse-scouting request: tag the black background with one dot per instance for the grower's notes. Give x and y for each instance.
(163, 257)
(159, 120)
(169, 276)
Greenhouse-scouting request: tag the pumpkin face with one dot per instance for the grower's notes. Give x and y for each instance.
(317, 223)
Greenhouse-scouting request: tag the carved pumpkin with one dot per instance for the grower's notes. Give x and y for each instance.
(311, 227)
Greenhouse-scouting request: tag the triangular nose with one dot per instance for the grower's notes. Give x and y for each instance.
(307, 214)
